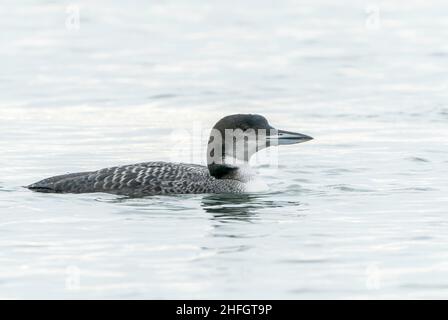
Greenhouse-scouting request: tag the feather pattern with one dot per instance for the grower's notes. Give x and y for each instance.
(149, 178)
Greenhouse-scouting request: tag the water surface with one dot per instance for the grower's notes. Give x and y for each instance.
(359, 212)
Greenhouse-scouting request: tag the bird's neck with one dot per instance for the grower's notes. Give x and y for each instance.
(231, 168)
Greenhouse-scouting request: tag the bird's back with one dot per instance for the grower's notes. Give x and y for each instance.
(149, 178)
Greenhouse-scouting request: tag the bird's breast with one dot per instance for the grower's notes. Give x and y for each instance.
(256, 185)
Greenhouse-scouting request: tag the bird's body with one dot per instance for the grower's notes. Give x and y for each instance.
(227, 169)
(148, 178)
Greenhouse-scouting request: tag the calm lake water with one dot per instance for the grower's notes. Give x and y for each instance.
(359, 212)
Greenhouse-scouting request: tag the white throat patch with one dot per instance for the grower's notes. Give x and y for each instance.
(247, 175)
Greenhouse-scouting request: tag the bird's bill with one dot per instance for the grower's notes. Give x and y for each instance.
(282, 137)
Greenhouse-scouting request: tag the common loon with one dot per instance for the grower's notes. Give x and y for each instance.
(233, 140)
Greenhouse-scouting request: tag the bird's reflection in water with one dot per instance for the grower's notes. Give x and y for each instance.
(226, 207)
(237, 207)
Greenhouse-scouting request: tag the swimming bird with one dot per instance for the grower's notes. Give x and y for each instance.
(233, 141)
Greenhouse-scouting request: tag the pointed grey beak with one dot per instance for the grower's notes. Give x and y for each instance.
(282, 137)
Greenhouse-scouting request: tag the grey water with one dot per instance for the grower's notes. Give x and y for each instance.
(360, 212)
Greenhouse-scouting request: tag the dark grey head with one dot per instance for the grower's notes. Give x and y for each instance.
(243, 121)
(239, 136)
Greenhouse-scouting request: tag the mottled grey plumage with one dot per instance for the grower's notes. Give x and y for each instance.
(149, 178)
